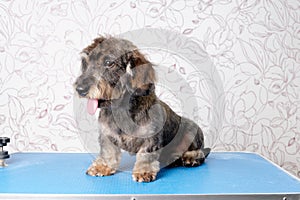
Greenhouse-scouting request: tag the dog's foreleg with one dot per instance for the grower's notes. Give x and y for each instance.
(108, 160)
(146, 166)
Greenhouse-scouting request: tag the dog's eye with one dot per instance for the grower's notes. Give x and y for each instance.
(108, 63)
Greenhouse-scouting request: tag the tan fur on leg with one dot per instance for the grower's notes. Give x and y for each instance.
(108, 161)
(99, 169)
(193, 158)
(146, 167)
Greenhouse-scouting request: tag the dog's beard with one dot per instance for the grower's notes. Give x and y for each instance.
(106, 99)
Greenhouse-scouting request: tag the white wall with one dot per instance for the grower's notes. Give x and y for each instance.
(254, 46)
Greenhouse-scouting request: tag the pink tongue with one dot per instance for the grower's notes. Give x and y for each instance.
(92, 106)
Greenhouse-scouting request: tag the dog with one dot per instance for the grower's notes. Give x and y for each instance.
(117, 78)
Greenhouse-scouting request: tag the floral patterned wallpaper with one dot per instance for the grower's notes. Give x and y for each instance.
(254, 45)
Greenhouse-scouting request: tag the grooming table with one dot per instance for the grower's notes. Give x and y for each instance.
(223, 176)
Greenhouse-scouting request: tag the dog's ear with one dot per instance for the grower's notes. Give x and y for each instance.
(141, 73)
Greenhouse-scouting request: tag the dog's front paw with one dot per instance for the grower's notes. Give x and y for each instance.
(144, 176)
(100, 170)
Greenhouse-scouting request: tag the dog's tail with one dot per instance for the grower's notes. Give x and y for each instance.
(206, 151)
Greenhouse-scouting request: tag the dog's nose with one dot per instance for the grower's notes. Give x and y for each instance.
(82, 91)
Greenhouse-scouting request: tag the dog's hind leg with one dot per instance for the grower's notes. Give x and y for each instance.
(196, 154)
(193, 158)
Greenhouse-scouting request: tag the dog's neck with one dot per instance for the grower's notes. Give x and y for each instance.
(133, 102)
(138, 103)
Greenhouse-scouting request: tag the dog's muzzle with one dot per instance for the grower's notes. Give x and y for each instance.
(82, 91)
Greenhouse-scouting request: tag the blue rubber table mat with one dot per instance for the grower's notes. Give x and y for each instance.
(222, 173)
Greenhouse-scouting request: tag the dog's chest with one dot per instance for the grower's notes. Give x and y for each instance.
(123, 131)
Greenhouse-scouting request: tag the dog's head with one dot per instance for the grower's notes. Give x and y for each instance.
(109, 67)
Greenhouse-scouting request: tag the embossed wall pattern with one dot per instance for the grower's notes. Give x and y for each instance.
(254, 45)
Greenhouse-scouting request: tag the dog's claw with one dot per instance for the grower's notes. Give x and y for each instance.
(193, 158)
(144, 177)
(193, 163)
(100, 170)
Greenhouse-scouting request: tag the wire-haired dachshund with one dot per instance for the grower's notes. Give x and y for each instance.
(117, 78)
